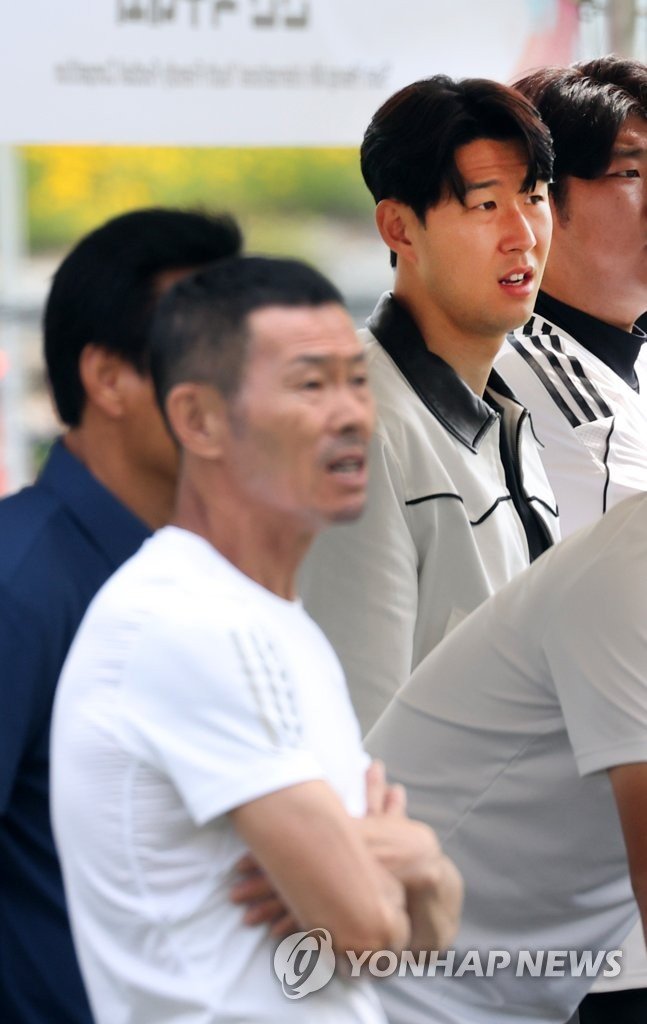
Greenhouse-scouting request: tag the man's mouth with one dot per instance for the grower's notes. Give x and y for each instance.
(347, 464)
(518, 278)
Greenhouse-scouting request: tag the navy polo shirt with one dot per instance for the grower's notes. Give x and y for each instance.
(59, 542)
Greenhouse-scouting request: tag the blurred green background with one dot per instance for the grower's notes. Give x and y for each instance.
(279, 195)
(307, 203)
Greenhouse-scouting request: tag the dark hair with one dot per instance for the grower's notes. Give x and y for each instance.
(409, 148)
(105, 289)
(200, 331)
(584, 106)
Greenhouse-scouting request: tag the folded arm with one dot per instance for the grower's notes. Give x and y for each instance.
(404, 851)
(321, 870)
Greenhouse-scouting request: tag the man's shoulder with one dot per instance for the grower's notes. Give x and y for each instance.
(400, 410)
(563, 371)
(599, 571)
(544, 339)
(26, 520)
(385, 376)
(49, 566)
(186, 588)
(37, 613)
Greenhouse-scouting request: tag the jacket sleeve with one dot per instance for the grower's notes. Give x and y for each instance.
(360, 583)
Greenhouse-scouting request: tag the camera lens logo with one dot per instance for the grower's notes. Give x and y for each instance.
(304, 962)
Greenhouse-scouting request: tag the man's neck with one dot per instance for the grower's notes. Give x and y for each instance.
(471, 357)
(265, 547)
(565, 283)
(149, 496)
(617, 348)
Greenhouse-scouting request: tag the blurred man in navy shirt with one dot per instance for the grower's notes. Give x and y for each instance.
(107, 483)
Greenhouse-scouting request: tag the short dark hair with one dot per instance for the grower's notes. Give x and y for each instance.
(104, 291)
(409, 148)
(584, 106)
(200, 331)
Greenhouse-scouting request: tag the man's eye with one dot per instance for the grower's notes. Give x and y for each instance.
(489, 204)
(631, 172)
(536, 198)
(360, 380)
(312, 384)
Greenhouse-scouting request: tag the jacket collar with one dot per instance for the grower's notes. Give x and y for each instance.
(617, 348)
(462, 413)
(111, 527)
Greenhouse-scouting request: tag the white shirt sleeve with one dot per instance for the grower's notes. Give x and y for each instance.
(360, 583)
(596, 648)
(217, 712)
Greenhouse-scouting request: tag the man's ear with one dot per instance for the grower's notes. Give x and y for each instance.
(102, 375)
(396, 222)
(197, 414)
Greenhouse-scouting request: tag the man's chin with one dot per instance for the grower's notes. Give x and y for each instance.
(348, 514)
(523, 314)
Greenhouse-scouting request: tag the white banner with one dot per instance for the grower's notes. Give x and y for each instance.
(249, 72)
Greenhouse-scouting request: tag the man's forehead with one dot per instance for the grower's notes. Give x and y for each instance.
(491, 163)
(296, 332)
(632, 134)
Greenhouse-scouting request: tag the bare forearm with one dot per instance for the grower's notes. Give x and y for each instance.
(410, 851)
(435, 908)
(395, 932)
(347, 891)
(389, 930)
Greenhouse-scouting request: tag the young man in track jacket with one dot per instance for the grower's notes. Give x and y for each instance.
(458, 499)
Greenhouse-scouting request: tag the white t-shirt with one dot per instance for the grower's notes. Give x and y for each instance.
(502, 738)
(189, 691)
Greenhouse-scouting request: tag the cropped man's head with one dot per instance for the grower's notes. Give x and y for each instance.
(409, 148)
(585, 106)
(597, 113)
(104, 291)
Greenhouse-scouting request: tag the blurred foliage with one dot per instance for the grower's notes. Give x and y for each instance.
(274, 192)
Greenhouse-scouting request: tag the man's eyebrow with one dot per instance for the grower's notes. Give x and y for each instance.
(473, 185)
(630, 151)
(319, 360)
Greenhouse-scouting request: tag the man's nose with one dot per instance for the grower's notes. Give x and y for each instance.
(353, 409)
(518, 235)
